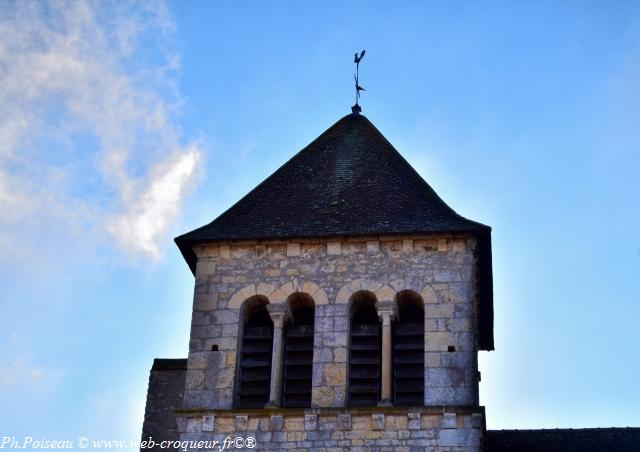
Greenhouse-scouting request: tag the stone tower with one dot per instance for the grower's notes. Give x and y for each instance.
(340, 305)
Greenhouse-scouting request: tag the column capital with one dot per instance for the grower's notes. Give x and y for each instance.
(279, 313)
(387, 311)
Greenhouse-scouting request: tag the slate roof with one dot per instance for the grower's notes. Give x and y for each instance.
(349, 181)
(565, 440)
(169, 364)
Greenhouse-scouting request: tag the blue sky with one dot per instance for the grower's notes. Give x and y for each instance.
(122, 126)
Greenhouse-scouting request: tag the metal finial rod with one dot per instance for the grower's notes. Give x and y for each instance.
(356, 76)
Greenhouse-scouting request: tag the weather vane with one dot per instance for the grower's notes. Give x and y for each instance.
(356, 59)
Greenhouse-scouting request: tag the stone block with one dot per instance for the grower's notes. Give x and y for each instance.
(322, 355)
(439, 341)
(278, 437)
(413, 421)
(335, 339)
(296, 436)
(293, 249)
(199, 360)
(396, 422)
(344, 421)
(225, 425)
(275, 423)
(208, 423)
(340, 324)
(194, 425)
(230, 359)
(230, 330)
(336, 310)
(340, 355)
(360, 423)
(439, 311)
(242, 423)
(339, 396)
(377, 421)
(385, 293)
(323, 324)
(334, 248)
(458, 438)
(459, 325)
(196, 380)
(205, 302)
(444, 377)
(293, 423)
(310, 422)
(322, 396)
(263, 437)
(327, 423)
(432, 359)
(223, 316)
(465, 360)
(431, 325)
(449, 420)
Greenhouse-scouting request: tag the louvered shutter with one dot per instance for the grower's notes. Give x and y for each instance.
(408, 364)
(255, 367)
(298, 366)
(364, 365)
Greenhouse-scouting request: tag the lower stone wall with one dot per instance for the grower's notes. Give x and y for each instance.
(355, 429)
(164, 397)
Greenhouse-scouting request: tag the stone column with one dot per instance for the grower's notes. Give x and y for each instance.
(387, 312)
(279, 315)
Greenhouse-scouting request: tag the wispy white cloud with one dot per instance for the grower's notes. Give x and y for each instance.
(88, 130)
(21, 371)
(149, 214)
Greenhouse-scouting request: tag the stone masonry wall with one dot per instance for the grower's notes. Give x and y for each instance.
(330, 430)
(164, 397)
(440, 269)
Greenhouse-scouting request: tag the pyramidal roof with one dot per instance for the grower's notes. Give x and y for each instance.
(350, 181)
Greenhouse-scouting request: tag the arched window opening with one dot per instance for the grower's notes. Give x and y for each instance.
(364, 351)
(298, 352)
(255, 355)
(408, 350)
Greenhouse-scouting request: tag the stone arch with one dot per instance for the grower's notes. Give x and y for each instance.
(238, 298)
(278, 295)
(407, 283)
(251, 305)
(296, 286)
(381, 291)
(409, 296)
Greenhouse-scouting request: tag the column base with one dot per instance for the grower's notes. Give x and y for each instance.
(385, 403)
(272, 404)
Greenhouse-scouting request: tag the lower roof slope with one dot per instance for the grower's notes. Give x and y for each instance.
(350, 181)
(565, 440)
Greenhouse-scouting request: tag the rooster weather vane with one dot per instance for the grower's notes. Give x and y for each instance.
(356, 59)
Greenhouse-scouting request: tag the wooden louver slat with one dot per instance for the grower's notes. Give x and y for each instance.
(298, 366)
(255, 367)
(364, 365)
